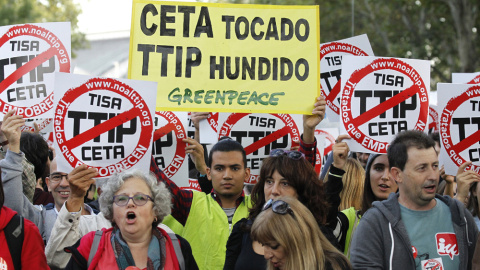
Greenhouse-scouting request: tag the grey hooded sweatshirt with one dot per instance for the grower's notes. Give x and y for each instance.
(381, 240)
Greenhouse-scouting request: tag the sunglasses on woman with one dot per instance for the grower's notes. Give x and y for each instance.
(279, 207)
(138, 199)
(293, 154)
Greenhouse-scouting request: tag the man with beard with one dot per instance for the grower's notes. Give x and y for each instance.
(415, 228)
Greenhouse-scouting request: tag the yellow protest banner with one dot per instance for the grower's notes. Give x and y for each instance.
(227, 57)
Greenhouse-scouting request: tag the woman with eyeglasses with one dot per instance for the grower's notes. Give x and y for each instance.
(292, 239)
(135, 204)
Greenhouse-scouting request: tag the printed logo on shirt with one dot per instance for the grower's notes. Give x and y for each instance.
(3, 264)
(432, 264)
(447, 244)
(415, 252)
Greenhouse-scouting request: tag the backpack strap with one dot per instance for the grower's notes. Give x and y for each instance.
(94, 248)
(178, 250)
(14, 234)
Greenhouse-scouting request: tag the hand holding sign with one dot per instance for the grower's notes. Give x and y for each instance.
(195, 149)
(11, 128)
(80, 180)
(310, 122)
(340, 151)
(465, 179)
(197, 117)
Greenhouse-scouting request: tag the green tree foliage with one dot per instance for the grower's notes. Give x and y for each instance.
(36, 11)
(443, 31)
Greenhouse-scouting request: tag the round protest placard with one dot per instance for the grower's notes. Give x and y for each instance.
(169, 132)
(33, 52)
(331, 63)
(249, 130)
(386, 84)
(111, 124)
(459, 116)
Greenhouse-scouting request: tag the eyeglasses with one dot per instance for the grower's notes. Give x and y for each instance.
(57, 177)
(295, 155)
(138, 199)
(278, 207)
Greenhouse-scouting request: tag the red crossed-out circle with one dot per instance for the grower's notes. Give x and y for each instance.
(454, 150)
(175, 125)
(60, 52)
(433, 264)
(340, 47)
(434, 114)
(289, 128)
(353, 125)
(140, 109)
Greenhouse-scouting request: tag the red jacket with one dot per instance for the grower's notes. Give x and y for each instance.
(33, 250)
(104, 257)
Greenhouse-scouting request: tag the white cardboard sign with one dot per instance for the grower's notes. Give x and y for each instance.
(168, 149)
(382, 96)
(331, 54)
(29, 55)
(104, 123)
(459, 122)
(468, 78)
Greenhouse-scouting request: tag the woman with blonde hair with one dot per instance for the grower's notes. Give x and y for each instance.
(291, 238)
(353, 183)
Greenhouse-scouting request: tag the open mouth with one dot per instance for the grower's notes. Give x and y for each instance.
(384, 187)
(430, 188)
(131, 216)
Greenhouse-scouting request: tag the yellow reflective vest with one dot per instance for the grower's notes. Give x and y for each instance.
(207, 229)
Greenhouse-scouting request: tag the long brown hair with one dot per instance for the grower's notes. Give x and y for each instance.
(301, 176)
(368, 196)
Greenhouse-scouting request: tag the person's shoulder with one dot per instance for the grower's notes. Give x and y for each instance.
(29, 225)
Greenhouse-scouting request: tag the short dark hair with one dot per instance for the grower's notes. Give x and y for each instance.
(397, 151)
(35, 148)
(227, 144)
(435, 136)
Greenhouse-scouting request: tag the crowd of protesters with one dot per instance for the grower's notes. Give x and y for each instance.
(370, 211)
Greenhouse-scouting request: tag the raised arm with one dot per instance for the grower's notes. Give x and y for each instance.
(308, 144)
(196, 117)
(465, 179)
(310, 122)
(334, 185)
(12, 172)
(181, 198)
(79, 179)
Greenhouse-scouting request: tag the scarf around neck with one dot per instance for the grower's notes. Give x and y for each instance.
(124, 258)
